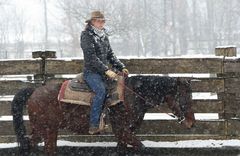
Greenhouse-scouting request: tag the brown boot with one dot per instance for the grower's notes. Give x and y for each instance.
(94, 130)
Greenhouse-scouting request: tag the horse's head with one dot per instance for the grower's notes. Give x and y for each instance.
(177, 93)
(181, 103)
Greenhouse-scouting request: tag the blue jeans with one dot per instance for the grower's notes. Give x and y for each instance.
(96, 83)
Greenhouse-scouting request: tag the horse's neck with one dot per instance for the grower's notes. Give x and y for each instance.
(141, 92)
(152, 89)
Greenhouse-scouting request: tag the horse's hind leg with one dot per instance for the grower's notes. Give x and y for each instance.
(121, 148)
(50, 140)
(35, 139)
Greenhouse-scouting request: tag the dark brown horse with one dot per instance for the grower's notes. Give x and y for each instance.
(48, 115)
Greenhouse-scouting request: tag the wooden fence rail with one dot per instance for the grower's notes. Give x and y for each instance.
(223, 82)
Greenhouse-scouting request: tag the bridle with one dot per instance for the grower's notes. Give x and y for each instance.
(177, 99)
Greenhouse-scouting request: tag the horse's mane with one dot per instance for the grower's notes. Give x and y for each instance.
(153, 87)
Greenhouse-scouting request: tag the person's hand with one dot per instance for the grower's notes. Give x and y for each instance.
(111, 74)
(125, 71)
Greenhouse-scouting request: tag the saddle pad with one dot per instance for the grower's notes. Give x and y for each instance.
(67, 95)
(74, 97)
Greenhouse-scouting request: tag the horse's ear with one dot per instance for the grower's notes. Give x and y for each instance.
(183, 81)
(179, 80)
(189, 81)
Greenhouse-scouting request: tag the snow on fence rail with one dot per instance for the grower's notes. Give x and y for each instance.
(222, 82)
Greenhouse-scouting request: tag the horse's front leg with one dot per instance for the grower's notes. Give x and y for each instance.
(130, 138)
(50, 140)
(126, 137)
(121, 128)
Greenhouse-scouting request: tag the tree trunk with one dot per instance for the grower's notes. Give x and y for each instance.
(195, 28)
(173, 27)
(210, 23)
(46, 25)
(165, 27)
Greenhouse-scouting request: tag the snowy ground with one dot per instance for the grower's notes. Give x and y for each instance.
(148, 116)
(152, 144)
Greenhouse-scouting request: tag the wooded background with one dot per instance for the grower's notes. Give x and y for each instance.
(142, 28)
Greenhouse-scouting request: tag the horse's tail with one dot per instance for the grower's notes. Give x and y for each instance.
(19, 100)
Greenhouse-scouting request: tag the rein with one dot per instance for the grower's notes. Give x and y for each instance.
(180, 120)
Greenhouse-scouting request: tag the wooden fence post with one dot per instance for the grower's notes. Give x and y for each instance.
(229, 98)
(43, 55)
(231, 75)
(232, 89)
(227, 51)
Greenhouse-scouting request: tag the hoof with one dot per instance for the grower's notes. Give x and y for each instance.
(140, 147)
(121, 149)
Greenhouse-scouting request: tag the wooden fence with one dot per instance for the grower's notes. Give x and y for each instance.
(223, 81)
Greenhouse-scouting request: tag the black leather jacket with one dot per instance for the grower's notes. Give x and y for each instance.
(98, 52)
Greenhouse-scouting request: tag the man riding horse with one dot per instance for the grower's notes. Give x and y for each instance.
(97, 56)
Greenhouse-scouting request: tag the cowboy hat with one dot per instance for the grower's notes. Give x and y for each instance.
(96, 15)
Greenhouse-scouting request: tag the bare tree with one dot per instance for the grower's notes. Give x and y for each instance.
(157, 28)
(5, 25)
(45, 24)
(183, 25)
(19, 25)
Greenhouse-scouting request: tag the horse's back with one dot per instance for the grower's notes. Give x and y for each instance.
(49, 91)
(164, 82)
(43, 106)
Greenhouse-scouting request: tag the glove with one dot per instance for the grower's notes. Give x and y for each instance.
(125, 71)
(111, 74)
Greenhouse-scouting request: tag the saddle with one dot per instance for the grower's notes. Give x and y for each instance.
(77, 91)
(79, 84)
